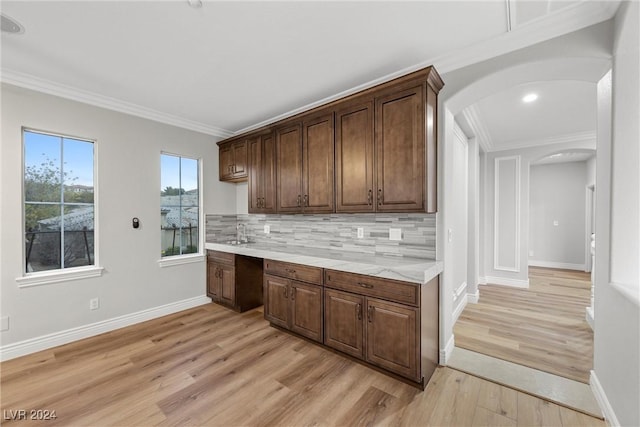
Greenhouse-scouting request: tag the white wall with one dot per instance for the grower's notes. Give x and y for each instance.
(457, 229)
(616, 374)
(128, 185)
(557, 195)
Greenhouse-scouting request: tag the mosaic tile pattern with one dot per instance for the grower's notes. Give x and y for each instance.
(334, 232)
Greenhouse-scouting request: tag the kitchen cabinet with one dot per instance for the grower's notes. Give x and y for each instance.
(234, 281)
(293, 298)
(373, 151)
(355, 159)
(398, 333)
(262, 174)
(305, 166)
(233, 160)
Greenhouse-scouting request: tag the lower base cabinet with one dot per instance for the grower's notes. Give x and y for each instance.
(291, 303)
(234, 281)
(389, 324)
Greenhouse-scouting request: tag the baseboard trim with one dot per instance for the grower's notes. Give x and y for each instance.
(473, 298)
(458, 311)
(602, 400)
(503, 281)
(560, 265)
(482, 280)
(445, 353)
(33, 345)
(590, 319)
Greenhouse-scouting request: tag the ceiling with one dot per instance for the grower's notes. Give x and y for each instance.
(226, 67)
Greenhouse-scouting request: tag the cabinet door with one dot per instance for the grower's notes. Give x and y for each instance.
(227, 284)
(318, 165)
(343, 322)
(392, 341)
(213, 284)
(255, 175)
(226, 161)
(268, 203)
(306, 310)
(400, 151)
(240, 159)
(354, 159)
(289, 168)
(276, 300)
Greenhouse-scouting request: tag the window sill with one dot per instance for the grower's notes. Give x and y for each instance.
(180, 260)
(57, 276)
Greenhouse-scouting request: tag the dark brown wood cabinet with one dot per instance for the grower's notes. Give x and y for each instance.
(318, 165)
(234, 281)
(393, 340)
(354, 166)
(262, 174)
(291, 303)
(373, 151)
(400, 151)
(289, 168)
(398, 333)
(233, 160)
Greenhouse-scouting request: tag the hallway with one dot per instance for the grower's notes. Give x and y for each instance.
(542, 327)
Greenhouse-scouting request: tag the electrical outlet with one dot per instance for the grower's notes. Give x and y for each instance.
(360, 232)
(4, 323)
(267, 229)
(94, 303)
(555, 223)
(450, 235)
(395, 234)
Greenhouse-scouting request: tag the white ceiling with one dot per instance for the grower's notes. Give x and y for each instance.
(229, 66)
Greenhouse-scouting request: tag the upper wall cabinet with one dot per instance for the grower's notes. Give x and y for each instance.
(233, 160)
(262, 174)
(373, 151)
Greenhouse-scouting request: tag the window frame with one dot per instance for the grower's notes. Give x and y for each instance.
(58, 275)
(172, 260)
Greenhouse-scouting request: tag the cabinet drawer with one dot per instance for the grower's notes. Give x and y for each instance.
(391, 290)
(223, 257)
(289, 270)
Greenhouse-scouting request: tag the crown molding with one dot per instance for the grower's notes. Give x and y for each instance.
(588, 137)
(28, 81)
(472, 115)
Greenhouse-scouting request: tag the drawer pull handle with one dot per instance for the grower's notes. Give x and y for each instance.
(370, 313)
(359, 310)
(293, 293)
(290, 271)
(286, 289)
(379, 196)
(369, 197)
(306, 200)
(299, 200)
(365, 285)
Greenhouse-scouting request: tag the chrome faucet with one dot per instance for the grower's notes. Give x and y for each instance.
(241, 233)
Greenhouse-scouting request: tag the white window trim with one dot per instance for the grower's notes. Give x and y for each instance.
(200, 256)
(56, 276)
(73, 273)
(170, 261)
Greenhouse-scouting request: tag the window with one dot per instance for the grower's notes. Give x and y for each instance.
(179, 205)
(58, 202)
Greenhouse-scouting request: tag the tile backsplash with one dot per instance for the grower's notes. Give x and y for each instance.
(335, 232)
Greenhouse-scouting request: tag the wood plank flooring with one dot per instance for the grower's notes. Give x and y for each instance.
(542, 327)
(211, 366)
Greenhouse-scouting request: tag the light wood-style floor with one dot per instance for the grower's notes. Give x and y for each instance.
(212, 366)
(542, 327)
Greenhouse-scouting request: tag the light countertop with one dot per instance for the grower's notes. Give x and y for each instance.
(413, 270)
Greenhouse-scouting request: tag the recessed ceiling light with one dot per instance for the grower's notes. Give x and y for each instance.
(10, 25)
(530, 97)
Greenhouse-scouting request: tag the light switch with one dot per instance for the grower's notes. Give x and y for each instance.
(395, 234)
(450, 235)
(360, 232)
(555, 222)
